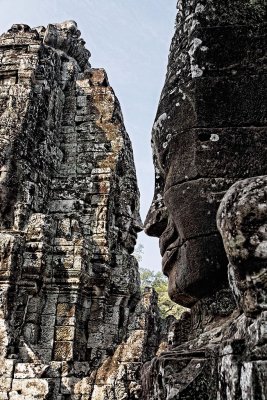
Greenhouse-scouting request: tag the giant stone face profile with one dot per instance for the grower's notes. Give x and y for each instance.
(72, 323)
(207, 135)
(209, 209)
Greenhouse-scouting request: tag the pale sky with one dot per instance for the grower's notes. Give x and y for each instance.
(130, 39)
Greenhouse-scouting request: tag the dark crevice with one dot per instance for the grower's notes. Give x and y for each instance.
(202, 235)
(198, 178)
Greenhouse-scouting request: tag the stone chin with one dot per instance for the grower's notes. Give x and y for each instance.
(177, 293)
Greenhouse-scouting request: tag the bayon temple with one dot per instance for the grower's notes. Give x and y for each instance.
(74, 324)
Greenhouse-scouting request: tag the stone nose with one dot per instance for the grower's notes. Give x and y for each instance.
(157, 218)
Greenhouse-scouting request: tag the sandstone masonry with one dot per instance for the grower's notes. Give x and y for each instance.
(72, 322)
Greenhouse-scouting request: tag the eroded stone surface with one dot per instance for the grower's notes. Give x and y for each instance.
(72, 322)
(210, 132)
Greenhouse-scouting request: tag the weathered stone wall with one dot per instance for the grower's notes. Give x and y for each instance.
(209, 132)
(72, 321)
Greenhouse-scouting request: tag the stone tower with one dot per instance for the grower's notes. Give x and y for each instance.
(72, 324)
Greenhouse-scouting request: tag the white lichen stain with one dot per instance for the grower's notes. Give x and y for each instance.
(246, 380)
(158, 124)
(183, 94)
(196, 71)
(263, 231)
(254, 240)
(199, 8)
(261, 250)
(214, 137)
(262, 207)
(196, 42)
(235, 246)
(195, 22)
(189, 16)
(229, 369)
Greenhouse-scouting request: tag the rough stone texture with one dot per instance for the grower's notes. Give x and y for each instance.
(210, 132)
(72, 323)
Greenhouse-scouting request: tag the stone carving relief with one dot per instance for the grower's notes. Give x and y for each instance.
(210, 132)
(73, 324)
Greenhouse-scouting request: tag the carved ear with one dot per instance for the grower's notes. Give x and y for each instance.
(242, 222)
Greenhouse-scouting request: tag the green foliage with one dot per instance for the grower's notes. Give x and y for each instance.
(160, 283)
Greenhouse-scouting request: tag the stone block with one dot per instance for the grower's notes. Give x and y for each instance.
(7, 367)
(64, 333)
(50, 304)
(47, 331)
(68, 385)
(5, 384)
(31, 387)
(29, 370)
(66, 206)
(63, 351)
(66, 310)
(66, 321)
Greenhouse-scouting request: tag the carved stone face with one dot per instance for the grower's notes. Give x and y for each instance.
(194, 167)
(204, 139)
(183, 216)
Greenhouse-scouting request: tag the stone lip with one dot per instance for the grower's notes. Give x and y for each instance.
(63, 36)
